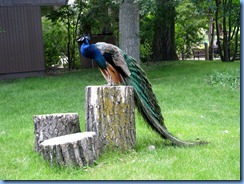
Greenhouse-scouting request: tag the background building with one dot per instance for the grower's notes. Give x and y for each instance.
(21, 42)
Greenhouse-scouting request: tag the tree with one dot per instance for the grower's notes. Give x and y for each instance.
(189, 32)
(100, 17)
(206, 9)
(227, 20)
(164, 31)
(129, 28)
(68, 18)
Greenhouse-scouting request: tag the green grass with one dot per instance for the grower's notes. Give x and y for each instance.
(192, 107)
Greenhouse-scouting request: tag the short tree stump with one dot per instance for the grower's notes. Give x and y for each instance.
(79, 149)
(53, 125)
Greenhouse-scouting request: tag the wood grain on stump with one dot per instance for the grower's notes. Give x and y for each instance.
(53, 125)
(110, 113)
(79, 149)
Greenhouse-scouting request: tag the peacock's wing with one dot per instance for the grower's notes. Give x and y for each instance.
(114, 56)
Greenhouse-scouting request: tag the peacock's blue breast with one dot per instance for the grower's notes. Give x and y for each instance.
(92, 52)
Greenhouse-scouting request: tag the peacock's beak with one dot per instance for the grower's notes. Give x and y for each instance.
(80, 39)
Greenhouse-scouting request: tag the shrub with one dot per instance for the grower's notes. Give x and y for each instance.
(145, 52)
(226, 79)
(54, 36)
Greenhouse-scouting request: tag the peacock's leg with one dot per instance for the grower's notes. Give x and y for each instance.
(110, 81)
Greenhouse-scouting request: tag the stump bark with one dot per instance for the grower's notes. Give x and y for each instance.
(79, 149)
(53, 125)
(110, 113)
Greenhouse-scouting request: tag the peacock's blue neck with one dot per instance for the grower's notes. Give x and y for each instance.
(83, 49)
(92, 52)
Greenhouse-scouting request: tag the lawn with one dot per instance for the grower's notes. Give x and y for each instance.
(199, 100)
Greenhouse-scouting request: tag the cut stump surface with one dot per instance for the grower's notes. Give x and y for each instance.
(79, 149)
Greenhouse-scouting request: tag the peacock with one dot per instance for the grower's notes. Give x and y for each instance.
(118, 68)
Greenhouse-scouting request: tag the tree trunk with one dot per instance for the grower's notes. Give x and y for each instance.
(218, 29)
(225, 41)
(69, 39)
(129, 28)
(110, 113)
(164, 32)
(54, 125)
(211, 38)
(79, 149)
(236, 44)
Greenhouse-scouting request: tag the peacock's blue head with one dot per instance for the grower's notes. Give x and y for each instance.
(83, 39)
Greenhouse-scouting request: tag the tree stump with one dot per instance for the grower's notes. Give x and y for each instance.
(53, 125)
(110, 113)
(79, 149)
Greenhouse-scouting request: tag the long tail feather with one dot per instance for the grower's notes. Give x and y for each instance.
(147, 103)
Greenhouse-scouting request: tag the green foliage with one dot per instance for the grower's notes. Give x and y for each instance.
(226, 79)
(191, 108)
(189, 31)
(146, 30)
(66, 19)
(226, 16)
(146, 36)
(145, 51)
(100, 17)
(147, 7)
(203, 7)
(55, 38)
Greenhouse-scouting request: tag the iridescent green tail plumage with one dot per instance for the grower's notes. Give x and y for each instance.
(147, 103)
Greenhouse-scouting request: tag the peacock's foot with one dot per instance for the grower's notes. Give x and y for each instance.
(109, 84)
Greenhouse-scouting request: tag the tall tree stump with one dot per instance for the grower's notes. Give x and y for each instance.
(79, 149)
(110, 113)
(53, 125)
